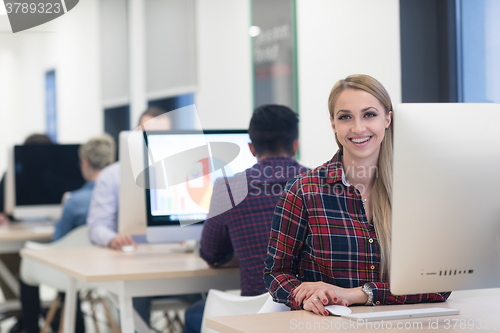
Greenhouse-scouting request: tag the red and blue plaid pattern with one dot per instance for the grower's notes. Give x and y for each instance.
(320, 233)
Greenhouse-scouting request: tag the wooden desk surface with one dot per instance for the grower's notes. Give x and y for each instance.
(97, 264)
(23, 231)
(477, 314)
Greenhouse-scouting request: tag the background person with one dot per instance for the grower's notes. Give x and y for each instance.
(103, 214)
(32, 140)
(330, 236)
(95, 154)
(240, 235)
(13, 260)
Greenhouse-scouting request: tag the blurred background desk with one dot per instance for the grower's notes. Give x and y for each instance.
(152, 270)
(477, 314)
(12, 239)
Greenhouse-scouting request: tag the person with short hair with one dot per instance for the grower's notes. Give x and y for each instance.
(31, 140)
(12, 260)
(95, 154)
(103, 214)
(102, 219)
(239, 236)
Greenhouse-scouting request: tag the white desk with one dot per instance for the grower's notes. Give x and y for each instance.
(477, 314)
(12, 239)
(150, 271)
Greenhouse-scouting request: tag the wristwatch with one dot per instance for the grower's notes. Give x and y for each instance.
(369, 292)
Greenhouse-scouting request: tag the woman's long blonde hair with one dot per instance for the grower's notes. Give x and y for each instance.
(381, 194)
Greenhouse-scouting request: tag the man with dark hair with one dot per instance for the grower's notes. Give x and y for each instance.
(274, 129)
(241, 234)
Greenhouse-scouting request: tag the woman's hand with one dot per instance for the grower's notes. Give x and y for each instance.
(316, 295)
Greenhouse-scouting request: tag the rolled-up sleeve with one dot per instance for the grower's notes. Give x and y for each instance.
(102, 220)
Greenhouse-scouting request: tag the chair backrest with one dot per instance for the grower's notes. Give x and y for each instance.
(220, 303)
(34, 273)
(77, 237)
(272, 306)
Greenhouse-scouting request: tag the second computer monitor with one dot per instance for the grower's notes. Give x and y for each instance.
(132, 201)
(173, 207)
(445, 205)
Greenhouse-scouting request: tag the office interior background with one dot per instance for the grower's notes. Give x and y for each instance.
(113, 57)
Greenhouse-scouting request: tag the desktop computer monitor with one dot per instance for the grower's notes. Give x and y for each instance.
(132, 201)
(37, 177)
(445, 203)
(197, 159)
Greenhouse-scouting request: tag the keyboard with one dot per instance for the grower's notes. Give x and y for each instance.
(402, 314)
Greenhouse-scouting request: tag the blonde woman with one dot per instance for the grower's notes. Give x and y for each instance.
(331, 232)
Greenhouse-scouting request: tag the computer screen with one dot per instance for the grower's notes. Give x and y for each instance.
(41, 174)
(445, 204)
(183, 167)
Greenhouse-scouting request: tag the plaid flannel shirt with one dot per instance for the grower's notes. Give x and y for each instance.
(320, 232)
(243, 230)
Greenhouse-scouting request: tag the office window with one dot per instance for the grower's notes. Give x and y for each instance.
(480, 50)
(429, 71)
(51, 105)
(450, 50)
(116, 119)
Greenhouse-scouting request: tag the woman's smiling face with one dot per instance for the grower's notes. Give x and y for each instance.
(359, 120)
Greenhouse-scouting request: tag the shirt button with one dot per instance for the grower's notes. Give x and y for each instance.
(377, 302)
(370, 240)
(372, 267)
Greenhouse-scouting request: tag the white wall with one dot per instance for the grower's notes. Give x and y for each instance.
(114, 53)
(337, 38)
(170, 48)
(224, 89)
(68, 44)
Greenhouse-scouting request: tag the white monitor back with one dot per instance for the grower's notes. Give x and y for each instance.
(446, 207)
(132, 201)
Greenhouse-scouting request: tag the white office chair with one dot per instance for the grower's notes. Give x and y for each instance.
(35, 274)
(220, 303)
